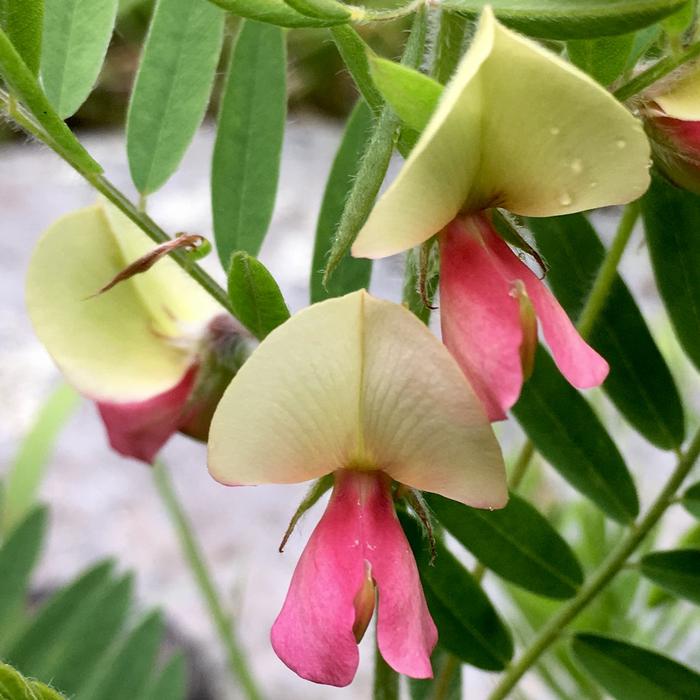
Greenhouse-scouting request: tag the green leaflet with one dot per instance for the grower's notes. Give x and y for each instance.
(468, 625)
(18, 555)
(352, 273)
(672, 220)
(604, 59)
(629, 672)
(172, 88)
(411, 94)
(571, 19)
(35, 642)
(125, 674)
(24, 85)
(22, 20)
(76, 37)
(691, 500)
(249, 135)
(256, 299)
(569, 435)
(170, 683)
(676, 570)
(640, 383)
(515, 542)
(273, 12)
(25, 475)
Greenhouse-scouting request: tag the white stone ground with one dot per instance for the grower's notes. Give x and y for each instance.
(103, 505)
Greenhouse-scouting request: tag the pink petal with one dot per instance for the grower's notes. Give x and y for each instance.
(480, 318)
(140, 428)
(313, 634)
(576, 360)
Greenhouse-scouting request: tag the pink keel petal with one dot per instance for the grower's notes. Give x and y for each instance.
(313, 633)
(480, 318)
(139, 429)
(576, 360)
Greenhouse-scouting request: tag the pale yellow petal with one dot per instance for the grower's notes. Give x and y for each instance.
(682, 100)
(108, 346)
(517, 127)
(356, 382)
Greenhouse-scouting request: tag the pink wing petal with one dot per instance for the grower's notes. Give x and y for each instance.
(480, 318)
(139, 429)
(577, 360)
(313, 633)
(406, 633)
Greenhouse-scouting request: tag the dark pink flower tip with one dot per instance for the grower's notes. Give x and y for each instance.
(359, 534)
(481, 316)
(140, 428)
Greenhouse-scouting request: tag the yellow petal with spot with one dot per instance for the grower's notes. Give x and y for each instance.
(516, 127)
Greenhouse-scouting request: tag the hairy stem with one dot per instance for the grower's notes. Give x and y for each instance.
(653, 74)
(24, 120)
(195, 560)
(603, 575)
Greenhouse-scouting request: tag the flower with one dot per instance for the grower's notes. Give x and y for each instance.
(154, 353)
(357, 387)
(521, 129)
(672, 118)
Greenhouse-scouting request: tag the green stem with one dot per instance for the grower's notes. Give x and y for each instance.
(449, 45)
(607, 272)
(521, 465)
(659, 70)
(443, 683)
(110, 192)
(605, 573)
(198, 567)
(363, 14)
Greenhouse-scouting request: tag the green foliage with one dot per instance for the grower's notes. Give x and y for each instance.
(24, 85)
(468, 625)
(567, 432)
(571, 19)
(76, 37)
(249, 137)
(172, 88)
(639, 383)
(676, 570)
(18, 556)
(691, 500)
(255, 297)
(352, 273)
(604, 59)
(22, 20)
(672, 219)
(25, 475)
(411, 94)
(515, 542)
(427, 689)
(630, 672)
(322, 9)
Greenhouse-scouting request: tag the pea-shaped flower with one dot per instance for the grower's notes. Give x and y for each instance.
(521, 129)
(155, 352)
(357, 387)
(672, 117)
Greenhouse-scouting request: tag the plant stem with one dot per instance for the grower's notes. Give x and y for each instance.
(527, 452)
(363, 14)
(198, 567)
(607, 272)
(605, 573)
(120, 200)
(449, 45)
(659, 70)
